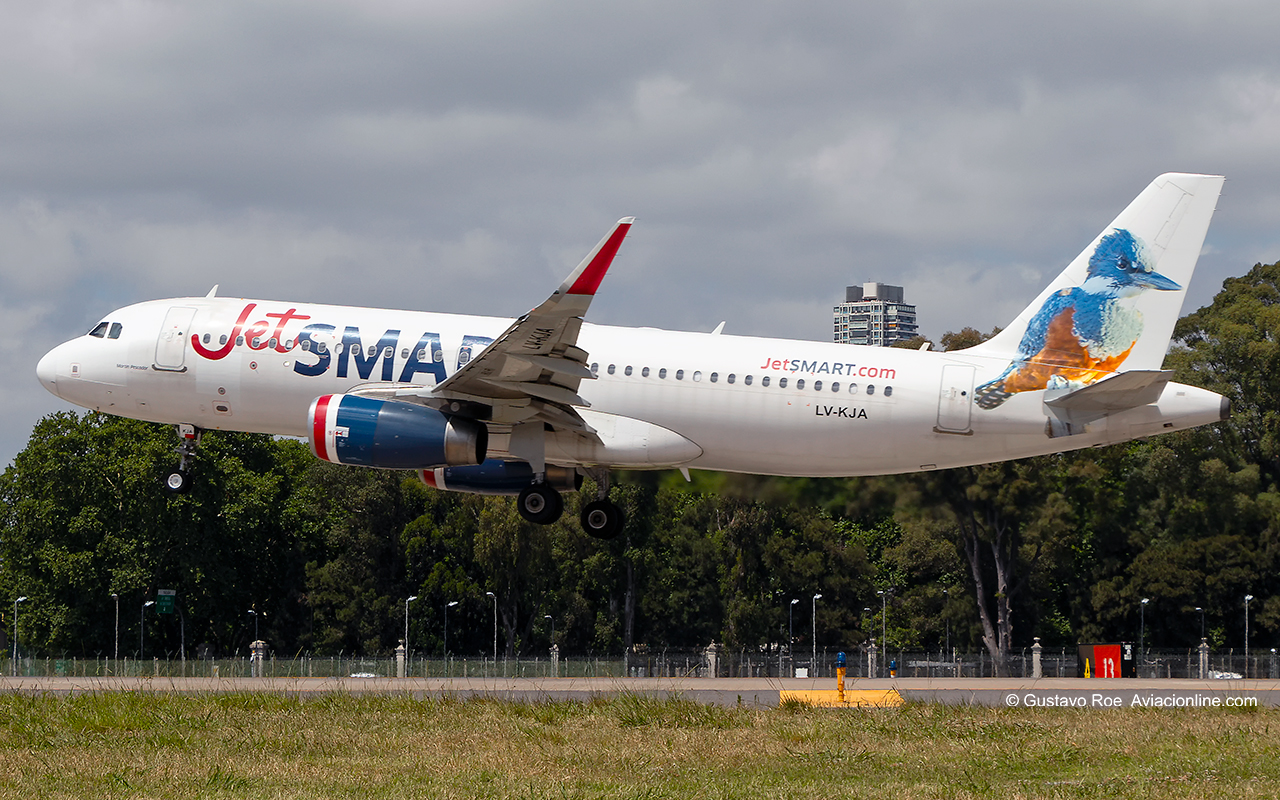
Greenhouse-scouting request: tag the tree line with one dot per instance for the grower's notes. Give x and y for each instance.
(1061, 547)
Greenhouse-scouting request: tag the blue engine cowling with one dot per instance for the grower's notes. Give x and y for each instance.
(367, 432)
(498, 477)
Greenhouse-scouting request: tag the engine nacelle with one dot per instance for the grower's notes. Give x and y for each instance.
(367, 432)
(498, 477)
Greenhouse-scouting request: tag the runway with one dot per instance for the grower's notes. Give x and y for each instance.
(751, 692)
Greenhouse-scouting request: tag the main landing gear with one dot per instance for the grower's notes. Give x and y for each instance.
(543, 505)
(178, 480)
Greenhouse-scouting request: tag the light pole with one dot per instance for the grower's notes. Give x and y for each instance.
(1201, 610)
(255, 624)
(407, 601)
(446, 629)
(15, 633)
(495, 628)
(946, 602)
(552, 620)
(142, 628)
(791, 630)
(814, 623)
(884, 622)
(1142, 632)
(1247, 598)
(116, 597)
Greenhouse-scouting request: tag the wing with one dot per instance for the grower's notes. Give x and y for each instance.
(532, 371)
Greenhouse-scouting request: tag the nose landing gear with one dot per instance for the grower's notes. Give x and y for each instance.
(178, 480)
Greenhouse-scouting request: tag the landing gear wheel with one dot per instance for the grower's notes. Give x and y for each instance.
(177, 481)
(602, 519)
(540, 504)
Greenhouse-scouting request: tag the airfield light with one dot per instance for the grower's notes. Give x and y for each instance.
(1201, 610)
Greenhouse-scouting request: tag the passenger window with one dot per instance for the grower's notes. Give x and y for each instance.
(422, 354)
(272, 343)
(782, 383)
(306, 344)
(644, 373)
(99, 331)
(595, 368)
(222, 339)
(206, 338)
(888, 390)
(799, 383)
(627, 371)
(835, 386)
(715, 376)
(373, 350)
(747, 380)
(853, 388)
(255, 341)
(730, 378)
(404, 352)
(116, 327)
(697, 374)
(662, 373)
(437, 356)
(679, 374)
(321, 347)
(239, 341)
(817, 386)
(871, 389)
(764, 381)
(612, 369)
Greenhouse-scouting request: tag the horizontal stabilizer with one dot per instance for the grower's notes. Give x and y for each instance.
(1124, 390)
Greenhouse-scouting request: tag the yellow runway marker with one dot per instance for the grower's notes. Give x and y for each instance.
(863, 698)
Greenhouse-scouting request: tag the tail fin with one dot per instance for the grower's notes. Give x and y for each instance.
(1114, 307)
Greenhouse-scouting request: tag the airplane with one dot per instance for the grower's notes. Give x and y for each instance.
(528, 407)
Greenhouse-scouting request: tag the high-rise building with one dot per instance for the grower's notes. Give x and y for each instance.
(874, 314)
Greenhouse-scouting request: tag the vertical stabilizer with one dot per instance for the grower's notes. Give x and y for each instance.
(1114, 307)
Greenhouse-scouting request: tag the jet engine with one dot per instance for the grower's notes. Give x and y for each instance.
(498, 477)
(367, 432)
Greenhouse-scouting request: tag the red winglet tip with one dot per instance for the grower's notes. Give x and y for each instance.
(589, 281)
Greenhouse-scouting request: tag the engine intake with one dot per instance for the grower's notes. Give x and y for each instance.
(367, 432)
(498, 477)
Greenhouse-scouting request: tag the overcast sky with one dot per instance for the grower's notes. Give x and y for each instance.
(464, 155)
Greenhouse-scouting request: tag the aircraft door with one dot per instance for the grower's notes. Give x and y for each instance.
(955, 399)
(171, 347)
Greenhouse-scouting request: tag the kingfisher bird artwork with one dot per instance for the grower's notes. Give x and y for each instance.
(1084, 333)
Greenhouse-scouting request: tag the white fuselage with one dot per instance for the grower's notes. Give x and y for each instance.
(844, 409)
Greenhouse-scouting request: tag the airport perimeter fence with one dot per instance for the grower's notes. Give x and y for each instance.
(711, 662)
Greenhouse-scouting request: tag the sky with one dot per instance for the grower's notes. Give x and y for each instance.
(464, 156)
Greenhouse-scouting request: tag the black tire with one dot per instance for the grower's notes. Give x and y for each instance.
(602, 519)
(176, 481)
(540, 504)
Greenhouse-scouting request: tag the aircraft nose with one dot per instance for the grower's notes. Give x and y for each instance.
(47, 371)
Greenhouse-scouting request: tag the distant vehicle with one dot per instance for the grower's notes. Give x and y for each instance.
(528, 407)
(362, 675)
(1225, 676)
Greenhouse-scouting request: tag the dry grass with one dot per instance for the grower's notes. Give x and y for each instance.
(258, 745)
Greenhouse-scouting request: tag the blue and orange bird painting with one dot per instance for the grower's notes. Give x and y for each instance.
(1086, 332)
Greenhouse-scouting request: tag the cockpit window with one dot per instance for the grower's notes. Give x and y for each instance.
(100, 331)
(116, 327)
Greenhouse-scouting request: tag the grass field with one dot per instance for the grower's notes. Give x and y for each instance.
(260, 745)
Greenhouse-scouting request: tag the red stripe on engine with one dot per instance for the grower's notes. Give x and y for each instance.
(428, 477)
(318, 427)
